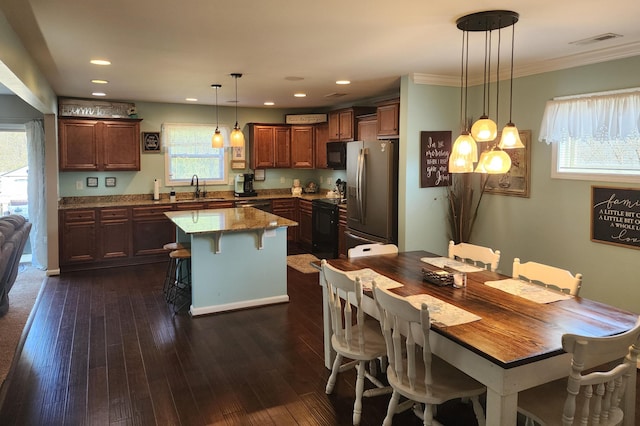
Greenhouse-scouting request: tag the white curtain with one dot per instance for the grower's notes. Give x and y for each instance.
(600, 116)
(36, 192)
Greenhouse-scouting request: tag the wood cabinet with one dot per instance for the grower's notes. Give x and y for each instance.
(151, 230)
(287, 207)
(321, 137)
(342, 228)
(389, 119)
(270, 146)
(305, 224)
(342, 123)
(302, 151)
(96, 144)
(78, 236)
(368, 128)
(114, 241)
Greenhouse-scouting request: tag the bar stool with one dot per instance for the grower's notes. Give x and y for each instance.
(177, 284)
(170, 275)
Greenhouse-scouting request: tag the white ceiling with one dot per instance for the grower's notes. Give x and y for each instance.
(167, 50)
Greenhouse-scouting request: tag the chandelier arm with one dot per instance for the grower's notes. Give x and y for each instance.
(513, 31)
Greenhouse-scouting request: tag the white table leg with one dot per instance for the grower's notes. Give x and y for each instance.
(501, 410)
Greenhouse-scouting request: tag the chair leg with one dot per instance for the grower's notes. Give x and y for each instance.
(427, 416)
(391, 410)
(357, 406)
(334, 374)
(477, 409)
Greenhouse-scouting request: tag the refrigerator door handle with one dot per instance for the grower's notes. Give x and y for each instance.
(359, 186)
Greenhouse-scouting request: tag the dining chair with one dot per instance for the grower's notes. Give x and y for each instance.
(478, 255)
(360, 342)
(547, 275)
(587, 396)
(413, 371)
(371, 250)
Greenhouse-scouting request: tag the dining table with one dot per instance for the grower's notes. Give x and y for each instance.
(502, 333)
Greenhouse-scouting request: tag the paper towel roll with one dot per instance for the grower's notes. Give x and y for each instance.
(156, 189)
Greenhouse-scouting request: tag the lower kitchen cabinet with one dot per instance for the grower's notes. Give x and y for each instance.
(151, 230)
(342, 228)
(305, 226)
(114, 240)
(78, 236)
(286, 207)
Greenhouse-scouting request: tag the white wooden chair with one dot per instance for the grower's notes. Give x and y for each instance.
(549, 276)
(371, 250)
(478, 255)
(360, 342)
(586, 397)
(414, 372)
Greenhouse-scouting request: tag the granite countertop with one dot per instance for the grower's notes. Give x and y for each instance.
(182, 198)
(229, 220)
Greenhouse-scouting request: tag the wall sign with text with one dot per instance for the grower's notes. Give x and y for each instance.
(435, 148)
(615, 216)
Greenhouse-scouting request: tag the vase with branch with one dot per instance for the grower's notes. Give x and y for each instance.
(464, 197)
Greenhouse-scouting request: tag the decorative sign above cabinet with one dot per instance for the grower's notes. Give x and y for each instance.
(95, 109)
(305, 118)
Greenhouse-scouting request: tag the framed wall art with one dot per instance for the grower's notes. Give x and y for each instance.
(151, 142)
(516, 181)
(92, 182)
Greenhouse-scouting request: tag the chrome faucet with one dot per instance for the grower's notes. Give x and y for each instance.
(196, 194)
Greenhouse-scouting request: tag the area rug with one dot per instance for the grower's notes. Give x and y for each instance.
(302, 263)
(22, 298)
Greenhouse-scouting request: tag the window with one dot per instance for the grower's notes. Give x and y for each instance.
(188, 152)
(594, 136)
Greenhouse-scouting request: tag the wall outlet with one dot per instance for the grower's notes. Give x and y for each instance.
(231, 180)
(321, 180)
(79, 184)
(282, 179)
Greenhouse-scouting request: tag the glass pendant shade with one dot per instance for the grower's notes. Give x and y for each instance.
(484, 130)
(237, 137)
(497, 162)
(217, 141)
(510, 137)
(480, 167)
(464, 153)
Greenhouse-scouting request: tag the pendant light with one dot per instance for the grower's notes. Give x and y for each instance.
(485, 129)
(237, 137)
(217, 141)
(510, 135)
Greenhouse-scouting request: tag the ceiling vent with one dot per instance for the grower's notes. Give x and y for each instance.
(595, 39)
(335, 95)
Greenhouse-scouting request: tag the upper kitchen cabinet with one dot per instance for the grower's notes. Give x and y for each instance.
(270, 146)
(96, 144)
(342, 123)
(388, 119)
(302, 138)
(321, 136)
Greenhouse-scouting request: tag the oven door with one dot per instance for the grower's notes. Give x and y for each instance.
(325, 230)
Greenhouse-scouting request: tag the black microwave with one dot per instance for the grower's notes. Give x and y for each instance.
(337, 155)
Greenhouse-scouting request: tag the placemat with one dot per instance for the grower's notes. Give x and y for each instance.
(535, 293)
(441, 262)
(368, 275)
(442, 313)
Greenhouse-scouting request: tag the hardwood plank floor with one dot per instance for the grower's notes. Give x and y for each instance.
(104, 348)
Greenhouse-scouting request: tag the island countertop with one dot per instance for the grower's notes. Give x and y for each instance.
(226, 220)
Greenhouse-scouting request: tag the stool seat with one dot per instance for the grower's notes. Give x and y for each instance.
(180, 254)
(177, 283)
(176, 246)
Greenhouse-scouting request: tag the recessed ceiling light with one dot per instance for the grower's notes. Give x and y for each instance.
(343, 82)
(99, 94)
(300, 95)
(191, 99)
(269, 103)
(96, 81)
(100, 62)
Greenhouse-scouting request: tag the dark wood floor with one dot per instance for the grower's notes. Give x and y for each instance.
(105, 349)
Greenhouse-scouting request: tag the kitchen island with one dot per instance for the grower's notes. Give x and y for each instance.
(238, 257)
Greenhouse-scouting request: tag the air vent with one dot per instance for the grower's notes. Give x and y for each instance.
(335, 95)
(596, 39)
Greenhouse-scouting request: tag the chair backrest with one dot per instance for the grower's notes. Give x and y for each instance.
(399, 319)
(594, 398)
(549, 276)
(344, 294)
(371, 250)
(478, 255)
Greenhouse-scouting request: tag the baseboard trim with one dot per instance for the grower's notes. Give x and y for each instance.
(239, 305)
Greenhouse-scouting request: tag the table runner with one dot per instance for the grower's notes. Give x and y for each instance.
(535, 293)
(441, 262)
(442, 313)
(368, 275)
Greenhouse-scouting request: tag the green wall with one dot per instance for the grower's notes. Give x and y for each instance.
(552, 225)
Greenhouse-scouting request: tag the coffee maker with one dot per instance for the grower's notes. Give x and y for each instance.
(244, 185)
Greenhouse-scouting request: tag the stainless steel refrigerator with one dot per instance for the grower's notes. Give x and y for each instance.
(372, 192)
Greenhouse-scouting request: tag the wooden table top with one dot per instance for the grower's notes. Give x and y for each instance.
(513, 331)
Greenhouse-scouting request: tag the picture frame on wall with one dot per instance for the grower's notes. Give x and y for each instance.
(92, 182)
(151, 142)
(516, 182)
